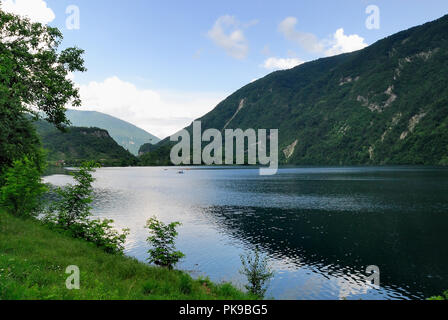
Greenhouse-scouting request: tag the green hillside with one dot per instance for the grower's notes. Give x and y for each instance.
(82, 144)
(155, 155)
(34, 259)
(127, 135)
(385, 104)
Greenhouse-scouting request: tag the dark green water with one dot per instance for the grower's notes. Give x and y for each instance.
(320, 227)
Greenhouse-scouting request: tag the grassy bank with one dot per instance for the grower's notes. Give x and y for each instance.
(33, 260)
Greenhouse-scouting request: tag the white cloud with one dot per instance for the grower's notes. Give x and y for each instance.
(281, 63)
(345, 43)
(227, 34)
(36, 10)
(337, 44)
(161, 113)
(307, 40)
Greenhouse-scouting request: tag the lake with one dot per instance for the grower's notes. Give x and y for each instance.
(319, 227)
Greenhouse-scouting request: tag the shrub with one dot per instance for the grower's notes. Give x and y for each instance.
(102, 233)
(74, 206)
(162, 240)
(73, 213)
(442, 297)
(186, 284)
(22, 188)
(258, 273)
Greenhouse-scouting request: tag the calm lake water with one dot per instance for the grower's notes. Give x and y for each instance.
(320, 227)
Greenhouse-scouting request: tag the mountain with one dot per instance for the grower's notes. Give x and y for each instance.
(155, 155)
(385, 104)
(127, 135)
(82, 144)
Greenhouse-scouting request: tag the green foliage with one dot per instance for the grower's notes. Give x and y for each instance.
(33, 72)
(145, 148)
(162, 240)
(353, 109)
(74, 206)
(72, 213)
(158, 155)
(442, 297)
(22, 188)
(258, 273)
(77, 145)
(33, 260)
(186, 284)
(34, 69)
(18, 139)
(101, 233)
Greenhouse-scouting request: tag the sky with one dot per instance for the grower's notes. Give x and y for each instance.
(162, 64)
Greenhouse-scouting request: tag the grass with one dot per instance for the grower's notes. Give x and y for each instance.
(33, 260)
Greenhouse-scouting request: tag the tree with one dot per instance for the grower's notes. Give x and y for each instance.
(33, 72)
(258, 273)
(33, 80)
(22, 188)
(72, 213)
(162, 240)
(18, 140)
(74, 206)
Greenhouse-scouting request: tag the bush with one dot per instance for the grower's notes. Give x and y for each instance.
(443, 297)
(22, 188)
(101, 233)
(186, 284)
(258, 273)
(73, 213)
(74, 206)
(162, 239)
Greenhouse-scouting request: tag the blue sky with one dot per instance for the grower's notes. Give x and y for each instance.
(160, 64)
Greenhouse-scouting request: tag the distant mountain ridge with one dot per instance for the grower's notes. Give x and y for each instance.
(385, 104)
(80, 144)
(124, 133)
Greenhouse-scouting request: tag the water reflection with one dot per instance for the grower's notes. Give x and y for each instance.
(320, 227)
(343, 244)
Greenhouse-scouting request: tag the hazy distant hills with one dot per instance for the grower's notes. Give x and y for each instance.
(79, 144)
(385, 104)
(125, 134)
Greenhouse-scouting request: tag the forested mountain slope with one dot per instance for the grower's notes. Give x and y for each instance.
(126, 134)
(82, 144)
(385, 104)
